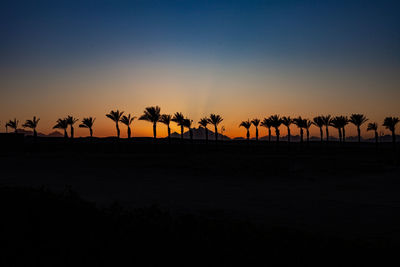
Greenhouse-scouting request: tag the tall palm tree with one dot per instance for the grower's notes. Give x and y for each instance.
(153, 115)
(115, 116)
(166, 119)
(13, 124)
(276, 122)
(32, 124)
(127, 120)
(256, 122)
(62, 124)
(318, 121)
(267, 124)
(390, 124)
(335, 123)
(71, 121)
(180, 121)
(88, 123)
(204, 122)
(327, 122)
(343, 121)
(358, 120)
(373, 127)
(300, 123)
(287, 121)
(187, 123)
(215, 120)
(247, 125)
(307, 125)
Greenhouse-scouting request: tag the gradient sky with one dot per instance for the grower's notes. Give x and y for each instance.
(240, 59)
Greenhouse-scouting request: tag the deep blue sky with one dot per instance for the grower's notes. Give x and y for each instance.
(238, 58)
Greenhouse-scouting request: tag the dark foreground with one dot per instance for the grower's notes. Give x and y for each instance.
(227, 205)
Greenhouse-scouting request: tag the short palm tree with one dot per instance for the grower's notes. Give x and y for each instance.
(300, 123)
(166, 119)
(256, 122)
(335, 123)
(307, 125)
(373, 126)
(390, 124)
(327, 122)
(276, 122)
(204, 122)
(13, 124)
(88, 123)
(6, 127)
(247, 125)
(62, 124)
(287, 121)
(127, 120)
(32, 124)
(318, 121)
(358, 120)
(115, 116)
(71, 121)
(180, 121)
(267, 124)
(215, 120)
(153, 115)
(187, 123)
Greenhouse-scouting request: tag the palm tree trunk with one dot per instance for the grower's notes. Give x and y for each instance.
(359, 134)
(206, 129)
(288, 132)
(216, 133)
(191, 135)
(340, 135)
(277, 135)
(65, 133)
(155, 130)
(91, 132)
(248, 135)
(321, 133)
(169, 135)
(269, 135)
(129, 132)
(308, 136)
(256, 133)
(34, 133)
(72, 132)
(376, 137)
(301, 135)
(182, 132)
(327, 134)
(344, 135)
(394, 137)
(118, 131)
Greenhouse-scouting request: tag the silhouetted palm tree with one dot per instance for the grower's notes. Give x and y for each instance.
(318, 121)
(88, 123)
(153, 115)
(127, 120)
(276, 121)
(390, 124)
(327, 122)
(215, 120)
(166, 119)
(188, 124)
(204, 122)
(343, 121)
(307, 125)
(358, 120)
(335, 123)
(256, 122)
(267, 124)
(180, 121)
(300, 123)
(247, 125)
(13, 124)
(32, 124)
(115, 116)
(71, 121)
(373, 127)
(287, 121)
(6, 127)
(62, 124)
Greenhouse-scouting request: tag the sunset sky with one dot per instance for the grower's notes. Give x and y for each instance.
(240, 59)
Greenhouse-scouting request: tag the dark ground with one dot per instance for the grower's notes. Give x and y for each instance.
(332, 197)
